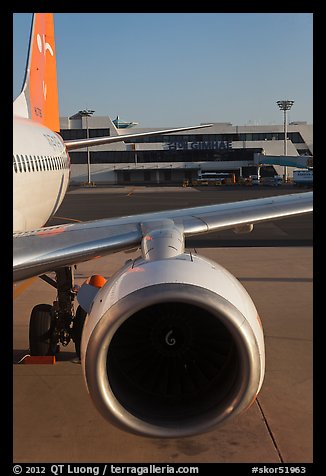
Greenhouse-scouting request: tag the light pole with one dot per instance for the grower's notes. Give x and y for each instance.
(285, 105)
(87, 113)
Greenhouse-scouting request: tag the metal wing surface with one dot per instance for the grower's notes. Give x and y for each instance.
(91, 142)
(46, 249)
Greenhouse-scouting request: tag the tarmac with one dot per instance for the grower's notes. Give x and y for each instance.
(54, 419)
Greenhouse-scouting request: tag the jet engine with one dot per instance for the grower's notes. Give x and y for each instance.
(172, 345)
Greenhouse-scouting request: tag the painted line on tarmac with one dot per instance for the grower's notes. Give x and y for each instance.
(19, 289)
(68, 219)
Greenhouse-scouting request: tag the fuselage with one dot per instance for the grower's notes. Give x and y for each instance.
(41, 170)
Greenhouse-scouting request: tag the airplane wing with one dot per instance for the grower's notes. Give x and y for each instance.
(49, 248)
(80, 143)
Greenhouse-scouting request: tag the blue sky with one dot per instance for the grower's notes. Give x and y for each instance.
(179, 69)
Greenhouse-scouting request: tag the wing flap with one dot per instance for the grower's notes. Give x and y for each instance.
(49, 248)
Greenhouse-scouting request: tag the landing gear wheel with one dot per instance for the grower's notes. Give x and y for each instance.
(77, 328)
(42, 340)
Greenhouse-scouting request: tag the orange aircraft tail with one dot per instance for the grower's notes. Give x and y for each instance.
(39, 97)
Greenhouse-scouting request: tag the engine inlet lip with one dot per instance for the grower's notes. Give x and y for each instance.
(230, 316)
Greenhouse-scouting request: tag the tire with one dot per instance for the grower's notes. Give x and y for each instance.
(41, 331)
(77, 328)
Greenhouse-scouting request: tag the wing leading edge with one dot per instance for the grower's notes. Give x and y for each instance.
(81, 143)
(46, 249)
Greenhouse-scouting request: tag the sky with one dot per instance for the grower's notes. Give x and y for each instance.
(179, 69)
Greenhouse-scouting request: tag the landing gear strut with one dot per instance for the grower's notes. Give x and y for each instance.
(53, 325)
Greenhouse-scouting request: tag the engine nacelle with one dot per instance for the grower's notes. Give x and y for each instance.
(172, 347)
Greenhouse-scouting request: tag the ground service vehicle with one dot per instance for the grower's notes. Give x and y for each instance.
(214, 178)
(303, 177)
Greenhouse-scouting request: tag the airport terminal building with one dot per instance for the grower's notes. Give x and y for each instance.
(174, 158)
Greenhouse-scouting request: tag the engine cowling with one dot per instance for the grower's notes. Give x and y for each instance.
(172, 347)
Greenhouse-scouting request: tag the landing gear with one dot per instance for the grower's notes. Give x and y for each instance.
(53, 325)
(77, 328)
(42, 339)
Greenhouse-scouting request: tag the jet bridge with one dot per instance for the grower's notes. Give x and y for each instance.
(297, 161)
